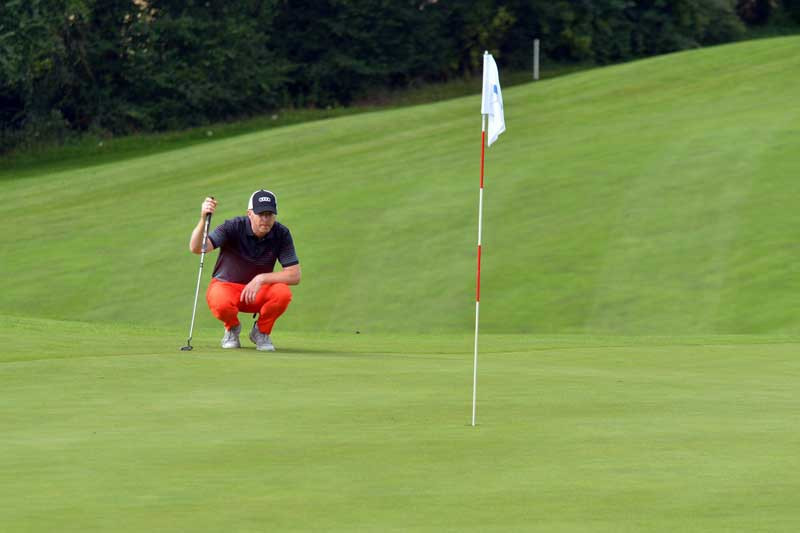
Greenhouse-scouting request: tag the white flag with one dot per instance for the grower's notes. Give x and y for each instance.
(492, 103)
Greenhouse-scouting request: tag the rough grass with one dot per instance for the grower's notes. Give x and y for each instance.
(92, 148)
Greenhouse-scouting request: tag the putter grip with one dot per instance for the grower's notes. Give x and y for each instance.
(205, 229)
(208, 216)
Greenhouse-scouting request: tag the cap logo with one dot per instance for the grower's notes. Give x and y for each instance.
(265, 199)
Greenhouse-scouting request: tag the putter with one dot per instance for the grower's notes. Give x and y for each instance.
(188, 346)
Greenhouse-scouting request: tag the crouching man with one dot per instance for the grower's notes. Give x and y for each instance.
(244, 280)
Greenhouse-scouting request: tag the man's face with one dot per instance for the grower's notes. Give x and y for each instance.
(261, 223)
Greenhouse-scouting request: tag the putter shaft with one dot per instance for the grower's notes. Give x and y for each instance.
(188, 346)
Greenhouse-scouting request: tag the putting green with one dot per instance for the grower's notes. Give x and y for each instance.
(113, 428)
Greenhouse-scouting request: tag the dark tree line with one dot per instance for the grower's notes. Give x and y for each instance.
(141, 65)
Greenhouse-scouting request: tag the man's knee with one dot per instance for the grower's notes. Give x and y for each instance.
(221, 300)
(222, 310)
(281, 293)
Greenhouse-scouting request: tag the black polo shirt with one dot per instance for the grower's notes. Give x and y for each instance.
(242, 255)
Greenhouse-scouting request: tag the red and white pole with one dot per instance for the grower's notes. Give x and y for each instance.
(478, 282)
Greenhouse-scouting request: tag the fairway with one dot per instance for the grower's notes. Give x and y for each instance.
(347, 432)
(639, 325)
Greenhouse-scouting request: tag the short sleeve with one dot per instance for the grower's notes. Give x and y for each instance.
(220, 234)
(287, 256)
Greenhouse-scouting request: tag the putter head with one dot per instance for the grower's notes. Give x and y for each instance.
(186, 348)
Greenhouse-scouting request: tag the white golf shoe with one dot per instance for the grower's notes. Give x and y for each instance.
(261, 340)
(231, 337)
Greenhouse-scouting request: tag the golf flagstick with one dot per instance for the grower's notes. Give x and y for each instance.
(478, 281)
(492, 122)
(188, 346)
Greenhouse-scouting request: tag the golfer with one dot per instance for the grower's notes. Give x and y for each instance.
(244, 279)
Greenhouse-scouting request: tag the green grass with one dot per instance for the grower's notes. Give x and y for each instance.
(639, 337)
(109, 427)
(89, 149)
(84, 150)
(655, 197)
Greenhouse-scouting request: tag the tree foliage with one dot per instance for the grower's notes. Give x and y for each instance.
(138, 65)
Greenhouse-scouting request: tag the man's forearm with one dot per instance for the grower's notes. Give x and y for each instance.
(289, 277)
(196, 241)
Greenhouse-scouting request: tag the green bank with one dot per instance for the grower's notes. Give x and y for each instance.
(655, 197)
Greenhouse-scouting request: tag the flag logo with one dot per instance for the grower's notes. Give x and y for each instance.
(492, 99)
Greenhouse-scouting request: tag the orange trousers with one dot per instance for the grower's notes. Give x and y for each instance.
(224, 301)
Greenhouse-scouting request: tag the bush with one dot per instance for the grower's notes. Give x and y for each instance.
(792, 7)
(755, 12)
(141, 65)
